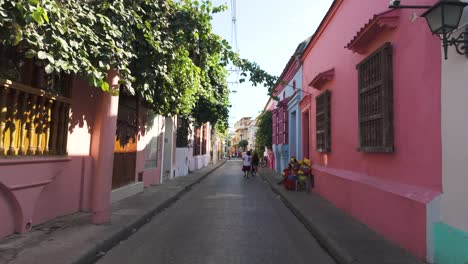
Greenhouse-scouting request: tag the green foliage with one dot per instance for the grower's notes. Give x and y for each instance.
(258, 152)
(243, 143)
(263, 136)
(256, 74)
(165, 51)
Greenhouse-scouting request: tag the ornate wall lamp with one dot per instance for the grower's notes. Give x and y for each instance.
(443, 19)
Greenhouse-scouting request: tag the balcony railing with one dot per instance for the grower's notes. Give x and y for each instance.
(33, 122)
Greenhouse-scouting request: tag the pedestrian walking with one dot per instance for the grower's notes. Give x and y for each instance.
(247, 163)
(255, 161)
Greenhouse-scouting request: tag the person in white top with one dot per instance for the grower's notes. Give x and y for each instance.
(247, 163)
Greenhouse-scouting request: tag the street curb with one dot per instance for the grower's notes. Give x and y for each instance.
(101, 248)
(341, 255)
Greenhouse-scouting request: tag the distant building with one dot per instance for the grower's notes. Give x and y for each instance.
(245, 129)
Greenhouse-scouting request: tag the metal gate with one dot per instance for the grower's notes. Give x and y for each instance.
(125, 145)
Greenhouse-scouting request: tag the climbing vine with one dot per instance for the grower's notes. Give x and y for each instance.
(165, 50)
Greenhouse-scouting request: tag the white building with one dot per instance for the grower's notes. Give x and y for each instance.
(451, 232)
(192, 146)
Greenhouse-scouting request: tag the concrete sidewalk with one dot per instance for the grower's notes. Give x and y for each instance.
(73, 239)
(347, 240)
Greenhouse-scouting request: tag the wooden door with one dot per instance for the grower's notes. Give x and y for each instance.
(125, 145)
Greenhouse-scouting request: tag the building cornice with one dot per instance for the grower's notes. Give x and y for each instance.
(376, 25)
(322, 78)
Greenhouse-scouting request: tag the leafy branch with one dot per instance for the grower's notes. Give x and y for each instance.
(165, 51)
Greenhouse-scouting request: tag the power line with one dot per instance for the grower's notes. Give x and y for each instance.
(234, 43)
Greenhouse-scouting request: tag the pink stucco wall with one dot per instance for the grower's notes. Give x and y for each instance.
(102, 149)
(395, 211)
(152, 176)
(8, 211)
(34, 190)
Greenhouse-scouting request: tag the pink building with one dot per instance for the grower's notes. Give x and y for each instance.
(66, 147)
(372, 123)
(269, 152)
(280, 134)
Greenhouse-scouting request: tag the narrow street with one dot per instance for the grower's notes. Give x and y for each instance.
(224, 219)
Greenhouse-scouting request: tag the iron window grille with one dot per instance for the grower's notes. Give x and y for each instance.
(204, 139)
(196, 143)
(34, 107)
(375, 101)
(322, 121)
(183, 126)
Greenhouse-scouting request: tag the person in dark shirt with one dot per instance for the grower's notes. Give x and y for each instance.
(255, 161)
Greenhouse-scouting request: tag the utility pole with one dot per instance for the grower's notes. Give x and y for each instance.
(234, 69)
(234, 26)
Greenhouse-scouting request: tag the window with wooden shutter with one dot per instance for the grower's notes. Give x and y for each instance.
(275, 128)
(305, 134)
(322, 121)
(286, 125)
(204, 138)
(182, 134)
(34, 107)
(196, 143)
(375, 101)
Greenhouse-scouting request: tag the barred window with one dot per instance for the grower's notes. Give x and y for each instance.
(34, 108)
(305, 134)
(204, 139)
(322, 121)
(282, 125)
(375, 101)
(182, 139)
(275, 128)
(196, 143)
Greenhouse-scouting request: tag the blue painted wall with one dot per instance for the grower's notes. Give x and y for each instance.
(450, 245)
(281, 157)
(295, 127)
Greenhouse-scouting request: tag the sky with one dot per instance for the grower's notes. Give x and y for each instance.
(268, 32)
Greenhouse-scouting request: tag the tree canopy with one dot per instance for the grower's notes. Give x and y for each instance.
(243, 143)
(165, 50)
(263, 135)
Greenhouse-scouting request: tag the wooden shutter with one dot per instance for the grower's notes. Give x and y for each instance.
(280, 128)
(196, 143)
(182, 139)
(204, 138)
(322, 121)
(375, 101)
(275, 125)
(286, 125)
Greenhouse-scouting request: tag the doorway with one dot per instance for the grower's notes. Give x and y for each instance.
(305, 134)
(125, 144)
(293, 135)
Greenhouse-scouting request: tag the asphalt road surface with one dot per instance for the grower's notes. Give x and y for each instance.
(224, 219)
